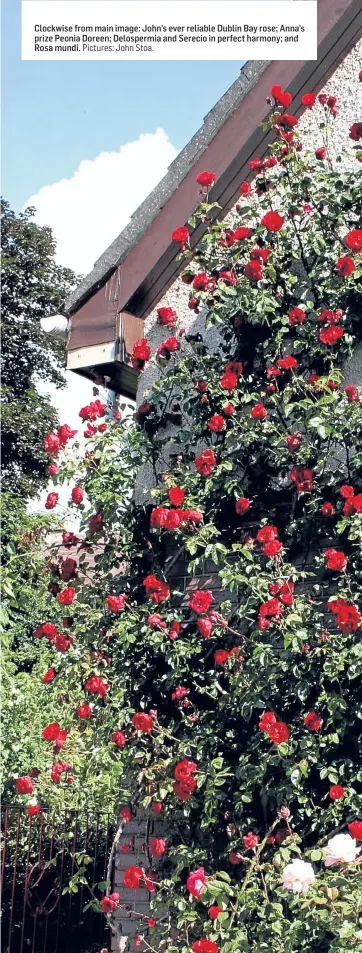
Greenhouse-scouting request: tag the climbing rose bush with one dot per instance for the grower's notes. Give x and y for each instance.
(232, 710)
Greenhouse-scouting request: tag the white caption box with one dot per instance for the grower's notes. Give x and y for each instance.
(169, 30)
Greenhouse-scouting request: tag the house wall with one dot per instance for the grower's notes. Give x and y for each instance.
(343, 85)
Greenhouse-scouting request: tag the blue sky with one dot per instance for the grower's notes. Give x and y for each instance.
(57, 114)
(85, 143)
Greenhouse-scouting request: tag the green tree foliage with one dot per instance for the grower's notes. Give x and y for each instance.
(33, 286)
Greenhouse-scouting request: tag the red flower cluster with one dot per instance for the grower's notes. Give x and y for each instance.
(268, 537)
(140, 354)
(24, 785)
(242, 505)
(143, 722)
(167, 348)
(206, 179)
(108, 904)
(330, 335)
(200, 600)
(281, 97)
(205, 462)
(116, 603)
(336, 560)
(347, 617)
(216, 423)
(273, 221)
(277, 731)
(303, 479)
(156, 590)
(185, 782)
(96, 686)
(296, 316)
(205, 946)
(312, 721)
(167, 317)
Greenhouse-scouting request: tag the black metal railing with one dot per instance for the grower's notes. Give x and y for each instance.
(40, 855)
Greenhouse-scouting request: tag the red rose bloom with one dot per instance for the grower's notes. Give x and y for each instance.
(240, 234)
(62, 643)
(205, 946)
(116, 603)
(216, 423)
(33, 810)
(312, 721)
(184, 789)
(296, 316)
(320, 154)
(184, 769)
(157, 847)
(309, 99)
(303, 479)
(281, 98)
(258, 412)
(205, 627)
(346, 492)
(267, 720)
(84, 711)
(253, 270)
(168, 347)
(51, 501)
(77, 494)
(142, 722)
(66, 596)
(49, 676)
(24, 785)
(119, 739)
(330, 335)
(242, 505)
(167, 317)
(348, 618)
(287, 362)
(328, 509)
(200, 601)
(53, 469)
(205, 462)
(180, 235)
(235, 857)
(355, 829)
(336, 792)
(229, 381)
(260, 253)
(256, 164)
(52, 444)
(96, 686)
(266, 534)
(345, 266)
(206, 179)
(221, 656)
(157, 591)
(176, 496)
(245, 188)
(355, 132)
(51, 732)
(132, 877)
(278, 732)
(293, 441)
(229, 410)
(214, 912)
(251, 841)
(354, 240)
(336, 561)
(273, 221)
(352, 394)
